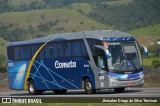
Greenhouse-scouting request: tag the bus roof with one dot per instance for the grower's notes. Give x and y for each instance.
(106, 35)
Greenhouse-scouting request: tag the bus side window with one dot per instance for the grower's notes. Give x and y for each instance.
(92, 43)
(100, 59)
(10, 54)
(60, 49)
(79, 49)
(16, 53)
(40, 55)
(34, 49)
(76, 48)
(48, 49)
(55, 52)
(67, 49)
(83, 50)
(25, 52)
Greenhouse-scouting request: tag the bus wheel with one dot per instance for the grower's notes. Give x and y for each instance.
(60, 91)
(119, 90)
(88, 87)
(32, 90)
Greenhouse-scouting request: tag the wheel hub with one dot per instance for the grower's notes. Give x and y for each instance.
(88, 86)
(31, 88)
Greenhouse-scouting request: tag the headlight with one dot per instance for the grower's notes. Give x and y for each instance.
(141, 76)
(115, 78)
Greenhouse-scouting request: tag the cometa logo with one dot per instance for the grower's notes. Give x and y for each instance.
(70, 64)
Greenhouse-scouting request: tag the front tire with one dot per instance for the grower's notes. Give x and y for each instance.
(88, 87)
(32, 90)
(119, 90)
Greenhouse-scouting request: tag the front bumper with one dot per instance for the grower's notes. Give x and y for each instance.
(115, 83)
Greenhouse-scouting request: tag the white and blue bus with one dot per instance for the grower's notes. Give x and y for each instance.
(91, 60)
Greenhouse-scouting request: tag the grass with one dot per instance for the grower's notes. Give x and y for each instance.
(146, 35)
(148, 60)
(153, 31)
(16, 3)
(3, 51)
(118, 2)
(84, 8)
(69, 19)
(3, 45)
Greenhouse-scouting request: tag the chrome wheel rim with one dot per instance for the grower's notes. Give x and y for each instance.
(31, 88)
(88, 86)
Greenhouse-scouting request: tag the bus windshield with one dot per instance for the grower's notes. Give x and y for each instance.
(124, 57)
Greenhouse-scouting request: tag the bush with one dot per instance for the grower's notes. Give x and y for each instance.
(3, 70)
(156, 63)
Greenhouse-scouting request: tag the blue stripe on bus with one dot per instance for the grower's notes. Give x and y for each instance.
(121, 76)
(130, 38)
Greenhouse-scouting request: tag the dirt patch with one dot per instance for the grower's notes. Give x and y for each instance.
(151, 76)
(144, 40)
(2, 76)
(4, 87)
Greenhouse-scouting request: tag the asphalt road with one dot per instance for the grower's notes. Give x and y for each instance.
(129, 92)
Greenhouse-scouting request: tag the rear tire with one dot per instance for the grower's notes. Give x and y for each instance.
(88, 87)
(32, 90)
(119, 90)
(60, 91)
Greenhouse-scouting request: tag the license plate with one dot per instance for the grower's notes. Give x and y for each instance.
(129, 83)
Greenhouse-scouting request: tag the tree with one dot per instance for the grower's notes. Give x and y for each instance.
(154, 49)
(2, 60)
(4, 7)
(156, 63)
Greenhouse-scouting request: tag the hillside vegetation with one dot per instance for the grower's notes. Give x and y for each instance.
(127, 16)
(3, 44)
(153, 30)
(32, 24)
(27, 5)
(72, 16)
(28, 19)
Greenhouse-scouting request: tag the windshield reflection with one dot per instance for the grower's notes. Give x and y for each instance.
(124, 56)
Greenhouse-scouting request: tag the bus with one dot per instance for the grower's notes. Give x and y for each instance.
(90, 60)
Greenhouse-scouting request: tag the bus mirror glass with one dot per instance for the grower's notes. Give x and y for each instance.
(108, 55)
(145, 50)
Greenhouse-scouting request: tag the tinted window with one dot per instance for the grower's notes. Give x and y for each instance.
(10, 54)
(92, 43)
(64, 49)
(51, 50)
(67, 49)
(83, 49)
(78, 48)
(25, 52)
(16, 53)
(60, 50)
(35, 47)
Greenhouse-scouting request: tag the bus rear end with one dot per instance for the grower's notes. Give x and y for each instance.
(16, 69)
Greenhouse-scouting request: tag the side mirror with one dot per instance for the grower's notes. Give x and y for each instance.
(108, 55)
(145, 49)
